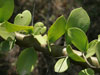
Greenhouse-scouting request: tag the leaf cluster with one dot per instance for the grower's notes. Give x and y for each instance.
(73, 28)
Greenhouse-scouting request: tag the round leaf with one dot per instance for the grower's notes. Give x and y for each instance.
(78, 18)
(78, 38)
(23, 19)
(26, 61)
(61, 65)
(6, 9)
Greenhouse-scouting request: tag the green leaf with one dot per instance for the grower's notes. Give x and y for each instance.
(1, 3)
(4, 46)
(78, 18)
(39, 24)
(97, 48)
(13, 28)
(23, 19)
(61, 65)
(39, 28)
(26, 60)
(78, 38)
(5, 34)
(41, 40)
(87, 71)
(91, 50)
(73, 55)
(6, 9)
(98, 37)
(57, 29)
(45, 37)
(7, 45)
(68, 40)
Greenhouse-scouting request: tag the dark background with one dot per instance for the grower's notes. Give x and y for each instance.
(47, 11)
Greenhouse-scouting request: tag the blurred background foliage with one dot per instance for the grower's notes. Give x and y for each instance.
(47, 11)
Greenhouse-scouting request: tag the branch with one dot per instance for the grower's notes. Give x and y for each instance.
(56, 51)
(31, 41)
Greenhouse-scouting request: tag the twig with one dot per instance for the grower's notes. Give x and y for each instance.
(88, 62)
(33, 13)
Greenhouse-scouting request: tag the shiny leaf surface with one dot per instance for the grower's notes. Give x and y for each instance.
(78, 38)
(57, 29)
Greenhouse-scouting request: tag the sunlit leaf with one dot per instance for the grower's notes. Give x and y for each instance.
(40, 39)
(5, 34)
(6, 9)
(78, 38)
(98, 37)
(91, 50)
(26, 60)
(74, 56)
(97, 48)
(39, 28)
(61, 65)
(86, 72)
(78, 18)
(45, 37)
(23, 19)
(57, 29)
(13, 28)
